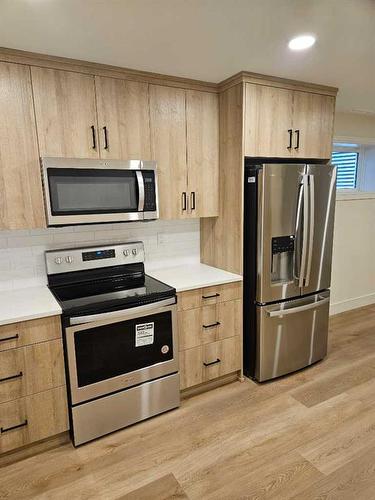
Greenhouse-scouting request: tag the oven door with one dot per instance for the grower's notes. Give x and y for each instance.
(92, 191)
(112, 351)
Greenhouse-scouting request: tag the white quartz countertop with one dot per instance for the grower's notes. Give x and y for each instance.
(27, 303)
(191, 276)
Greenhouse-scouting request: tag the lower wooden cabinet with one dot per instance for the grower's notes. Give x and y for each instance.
(33, 418)
(210, 333)
(210, 361)
(31, 369)
(33, 400)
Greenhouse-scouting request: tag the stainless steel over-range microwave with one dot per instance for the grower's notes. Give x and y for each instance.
(86, 191)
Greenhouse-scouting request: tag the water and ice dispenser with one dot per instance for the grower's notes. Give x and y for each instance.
(282, 263)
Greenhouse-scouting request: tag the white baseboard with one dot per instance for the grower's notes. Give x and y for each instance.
(347, 305)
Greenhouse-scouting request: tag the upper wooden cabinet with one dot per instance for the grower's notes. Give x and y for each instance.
(168, 146)
(65, 113)
(21, 205)
(313, 116)
(268, 117)
(287, 123)
(123, 119)
(185, 144)
(202, 118)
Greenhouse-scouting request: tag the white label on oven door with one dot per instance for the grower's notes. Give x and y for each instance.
(144, 334)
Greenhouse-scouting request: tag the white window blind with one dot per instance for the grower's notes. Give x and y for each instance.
(347, 166)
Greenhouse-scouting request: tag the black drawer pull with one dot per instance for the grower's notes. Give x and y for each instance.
(10, 338)
(212, 325)
(184, 201)
(2, 430)
(212, 362)
(297, 135)
(210, 296)
(12, 377)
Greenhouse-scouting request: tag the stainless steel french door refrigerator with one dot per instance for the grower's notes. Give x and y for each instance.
(288, 231)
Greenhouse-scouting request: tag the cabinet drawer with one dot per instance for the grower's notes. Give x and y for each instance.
(29, 332)
(31, 369)
(208, 296)
(207, 362)
(209, 323)
(33, 418)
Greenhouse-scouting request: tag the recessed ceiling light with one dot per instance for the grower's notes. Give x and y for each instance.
(301, 42)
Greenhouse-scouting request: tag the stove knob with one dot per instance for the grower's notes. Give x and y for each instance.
(69, 259)
(134, 251)
(58, 260)
(126, 253)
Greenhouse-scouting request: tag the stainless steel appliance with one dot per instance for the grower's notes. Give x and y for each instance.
(120, 337)
(80, 191)
(288, 231)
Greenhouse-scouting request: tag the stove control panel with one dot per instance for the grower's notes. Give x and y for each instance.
(80, 259)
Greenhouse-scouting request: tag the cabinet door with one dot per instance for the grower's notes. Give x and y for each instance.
(268, 118)
(202, 115)
(65, 113)
(123, 119)
(21, 205)
(313, 116)
(168, 147)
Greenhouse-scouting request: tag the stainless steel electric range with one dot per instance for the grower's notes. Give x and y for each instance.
(120, 337)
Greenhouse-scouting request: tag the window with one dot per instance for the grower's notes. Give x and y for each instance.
(347, 159)
(347, 168)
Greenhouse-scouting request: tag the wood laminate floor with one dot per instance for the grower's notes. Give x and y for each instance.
(307, 436)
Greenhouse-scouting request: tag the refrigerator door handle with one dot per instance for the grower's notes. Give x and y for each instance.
(306, 307)
(311, 228)
(297, 253)
(306, 219)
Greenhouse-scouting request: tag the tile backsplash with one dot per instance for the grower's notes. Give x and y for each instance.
(167, 243)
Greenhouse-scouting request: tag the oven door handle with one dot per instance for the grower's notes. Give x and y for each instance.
(141, 191)
(122, 313)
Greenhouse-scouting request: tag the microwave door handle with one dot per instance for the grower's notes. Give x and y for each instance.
(305, 198)
(311, 227)
(141, 191)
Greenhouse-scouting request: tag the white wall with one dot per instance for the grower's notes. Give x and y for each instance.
(353, 264)
(167, 243)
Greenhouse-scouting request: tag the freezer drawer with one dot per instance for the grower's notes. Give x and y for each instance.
(291, 335)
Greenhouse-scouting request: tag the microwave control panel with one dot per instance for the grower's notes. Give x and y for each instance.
(150, 188)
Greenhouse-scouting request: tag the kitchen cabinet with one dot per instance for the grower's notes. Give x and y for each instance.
(65, 112)
(123, 119)
(202, 118)
(268, 121)
(21, 205)
(168, 147)
(210, 333)
(185, 144)
(313, 116)
(33, 401)
(287, 123)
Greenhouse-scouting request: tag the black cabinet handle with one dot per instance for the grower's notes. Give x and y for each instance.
(210, 296)
(192, 199)
(2, 429)
(212, 362)
(290, 132)
(184, 204)
(297, 135)
(105, 137)
(20, 374)
(212, 325)
(10, 338)
(93, 137)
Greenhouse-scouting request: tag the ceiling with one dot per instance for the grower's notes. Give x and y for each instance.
(207, 39)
